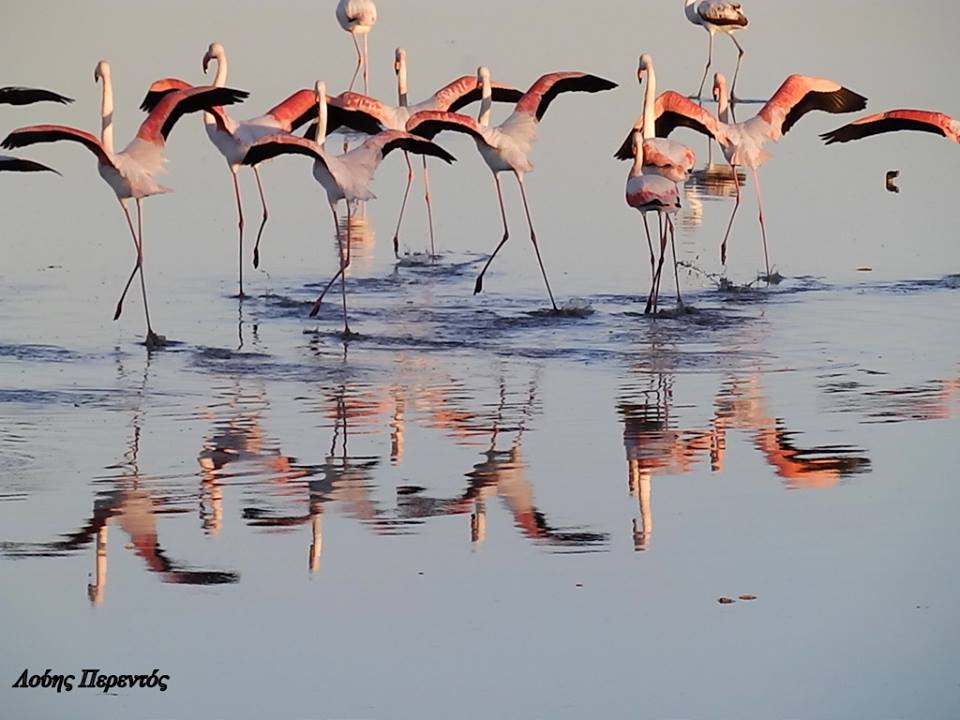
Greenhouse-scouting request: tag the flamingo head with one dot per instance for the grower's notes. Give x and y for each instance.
(101, 71)
(214, 52)
(321, 90)
(637, 142)
(646, 63)
(400, 60)
(483, 75)
(719, 86)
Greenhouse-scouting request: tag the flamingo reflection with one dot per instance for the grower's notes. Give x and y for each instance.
(134, 507)
(502, 473)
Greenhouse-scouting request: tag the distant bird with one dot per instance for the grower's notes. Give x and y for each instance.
(131, 172)
(506, 148)
(367, 115)
(27, 96)
(346, 177)
(743, 143)
(232, 138)
(358, 17)
(717, 16)
(894, 121)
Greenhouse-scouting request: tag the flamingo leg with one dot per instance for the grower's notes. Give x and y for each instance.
(356, 72)
(366, 72)
(263, 217)
(426, 197)
(676, 270)
(478, 287)
(533, 239)
(706, 70)
(763, 227)
(723, 245)
(136, 266)
(336, 230)
(236, 190)
(403, 206)
(740, 53)
(152, 338)
(653, 259)
(344, 264)
(655, 285)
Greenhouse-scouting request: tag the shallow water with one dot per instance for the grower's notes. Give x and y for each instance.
(477, 507)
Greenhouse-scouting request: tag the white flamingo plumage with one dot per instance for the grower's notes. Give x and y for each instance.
(364, 114)
(131, 172)
(358, 17)
(717, 16)
(744, 143)
(345, 177)
(507, 147)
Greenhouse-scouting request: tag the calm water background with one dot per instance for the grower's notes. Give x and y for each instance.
(475, 509)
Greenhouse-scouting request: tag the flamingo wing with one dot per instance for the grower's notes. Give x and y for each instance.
(296, 110)
(390, 140)
(538, 98)
(429, 123)
(466, 90)
(358, 112)
(13, 164)
(159, 89)
(156, 128)
(672, 111)
(34, 134)
(892, 121)
(274, 145)
(28, 96)
(800, 95)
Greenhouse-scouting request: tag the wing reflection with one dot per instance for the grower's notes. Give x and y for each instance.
(502, 473)
(714, 181)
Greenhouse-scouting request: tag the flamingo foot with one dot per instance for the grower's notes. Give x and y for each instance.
(154, 341)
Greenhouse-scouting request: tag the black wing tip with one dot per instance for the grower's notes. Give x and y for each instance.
(835, 136)
(851, 101)
(232, 95)
(153, 98)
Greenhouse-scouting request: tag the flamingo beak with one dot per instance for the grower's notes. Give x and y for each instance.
(206, 63)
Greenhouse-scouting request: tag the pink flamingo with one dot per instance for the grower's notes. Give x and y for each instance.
(367, 115)
(233, 138)
(743, 143)
(358, 17)
(717, 16)
(131, 172)
(346, 177)
(506, 148)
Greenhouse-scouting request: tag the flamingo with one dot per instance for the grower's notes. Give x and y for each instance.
(131, 172)
(743, 143)
(660, 156)
(358, 17)
(717, 16)
(365, 114)
(506, 148)
(346, 177)
(653, 192)
(233, 138)
(27, 96)
(894, 121)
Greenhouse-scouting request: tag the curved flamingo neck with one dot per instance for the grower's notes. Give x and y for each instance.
(691, 10)
(486, 101)
(106, 113)
(219, 81)
(402, 82)
(649, 104)
(321, 116)
(723, 103)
